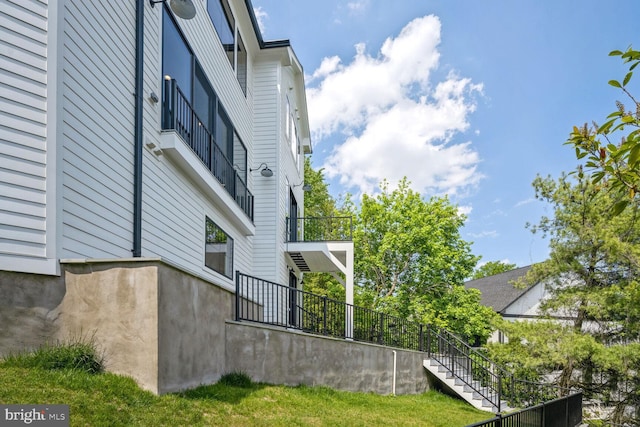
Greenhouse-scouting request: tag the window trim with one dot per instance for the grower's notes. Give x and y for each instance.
(229, 248)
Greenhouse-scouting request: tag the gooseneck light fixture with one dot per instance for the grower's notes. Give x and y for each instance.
(305, 187)
(184, 9)
(265, 171)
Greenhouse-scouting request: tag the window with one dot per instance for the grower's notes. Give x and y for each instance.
(177, 60)
(218, 254)
(292, 133)
(225, 25)
(180, 64)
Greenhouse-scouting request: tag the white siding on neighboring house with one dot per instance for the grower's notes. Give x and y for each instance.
(27, 158)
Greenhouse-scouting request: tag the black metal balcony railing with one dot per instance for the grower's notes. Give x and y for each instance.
(178, 114)
(320, 229)
(262, 301)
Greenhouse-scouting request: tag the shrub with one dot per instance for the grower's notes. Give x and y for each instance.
(236, 379)
(81, 355)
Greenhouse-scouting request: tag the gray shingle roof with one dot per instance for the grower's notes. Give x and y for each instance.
(498, 291)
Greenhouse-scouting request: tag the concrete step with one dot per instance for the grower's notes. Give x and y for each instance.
(465, 387)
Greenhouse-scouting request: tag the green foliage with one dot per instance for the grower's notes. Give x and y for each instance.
(591, 276)
(81, 355)
(492, 268)
(615, 166)
(406, 247)
(410, 260)
(458, 310)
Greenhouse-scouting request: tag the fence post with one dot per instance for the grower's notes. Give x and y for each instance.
(421, 339)
(499, 393)
(380, 334)
(429, 340)
(237, 295)
(324, 315)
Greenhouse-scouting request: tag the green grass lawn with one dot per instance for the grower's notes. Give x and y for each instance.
(104, 399)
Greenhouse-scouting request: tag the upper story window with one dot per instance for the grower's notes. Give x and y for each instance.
(225, 25)
(291, 132)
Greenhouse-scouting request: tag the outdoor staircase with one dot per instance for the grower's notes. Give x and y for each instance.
(470, 374)
(464, 386)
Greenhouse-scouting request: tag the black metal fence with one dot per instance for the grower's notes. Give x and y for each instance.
(320, 229)
(562, 412)
(261, 301)
(178, 114)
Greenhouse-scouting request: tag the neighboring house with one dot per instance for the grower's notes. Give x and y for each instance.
(510, 302)
(145, 159)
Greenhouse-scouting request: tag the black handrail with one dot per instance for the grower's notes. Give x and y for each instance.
(320, 229)
(179, 115)
(262, 301)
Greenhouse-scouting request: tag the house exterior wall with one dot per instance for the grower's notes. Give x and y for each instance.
(528, 304)
(267, 131)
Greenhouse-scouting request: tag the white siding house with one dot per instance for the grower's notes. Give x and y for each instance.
(147, 158)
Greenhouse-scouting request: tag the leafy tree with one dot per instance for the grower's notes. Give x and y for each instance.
(592, 277)
(492, 268)
(410, 261)
(617, 166)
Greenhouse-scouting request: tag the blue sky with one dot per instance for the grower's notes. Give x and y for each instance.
(467, 98)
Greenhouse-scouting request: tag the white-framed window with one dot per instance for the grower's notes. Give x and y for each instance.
(218, 253)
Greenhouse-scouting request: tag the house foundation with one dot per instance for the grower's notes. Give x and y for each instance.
(171, 330)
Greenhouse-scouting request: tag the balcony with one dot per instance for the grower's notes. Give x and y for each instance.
(321, 244)
(179, 116)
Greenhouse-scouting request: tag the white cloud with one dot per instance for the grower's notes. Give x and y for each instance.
(261, 16)
(465, 210)
(525, 202)
(357, 7)
(393, 120)
(483, 234)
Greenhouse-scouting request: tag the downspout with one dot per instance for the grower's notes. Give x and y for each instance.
(395, 368)
(137, 143)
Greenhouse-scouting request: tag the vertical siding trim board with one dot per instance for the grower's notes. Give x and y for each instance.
(138, 119)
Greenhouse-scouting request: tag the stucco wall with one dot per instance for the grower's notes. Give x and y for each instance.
(191, 334)
(170, 330)
(279, 356)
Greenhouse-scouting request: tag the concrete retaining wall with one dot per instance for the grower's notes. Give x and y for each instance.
(170, 330)
(279, 356)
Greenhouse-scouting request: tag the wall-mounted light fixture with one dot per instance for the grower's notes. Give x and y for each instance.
(184, 9)
(305, 187)
(265, 171)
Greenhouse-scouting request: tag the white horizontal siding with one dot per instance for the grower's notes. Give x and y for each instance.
(23, 135)
(174, 207)
(98, 128)
(268, 251)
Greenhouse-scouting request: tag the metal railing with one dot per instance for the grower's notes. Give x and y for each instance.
(562, 412)
(262, 301)
(320, 229)
(179, 115)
